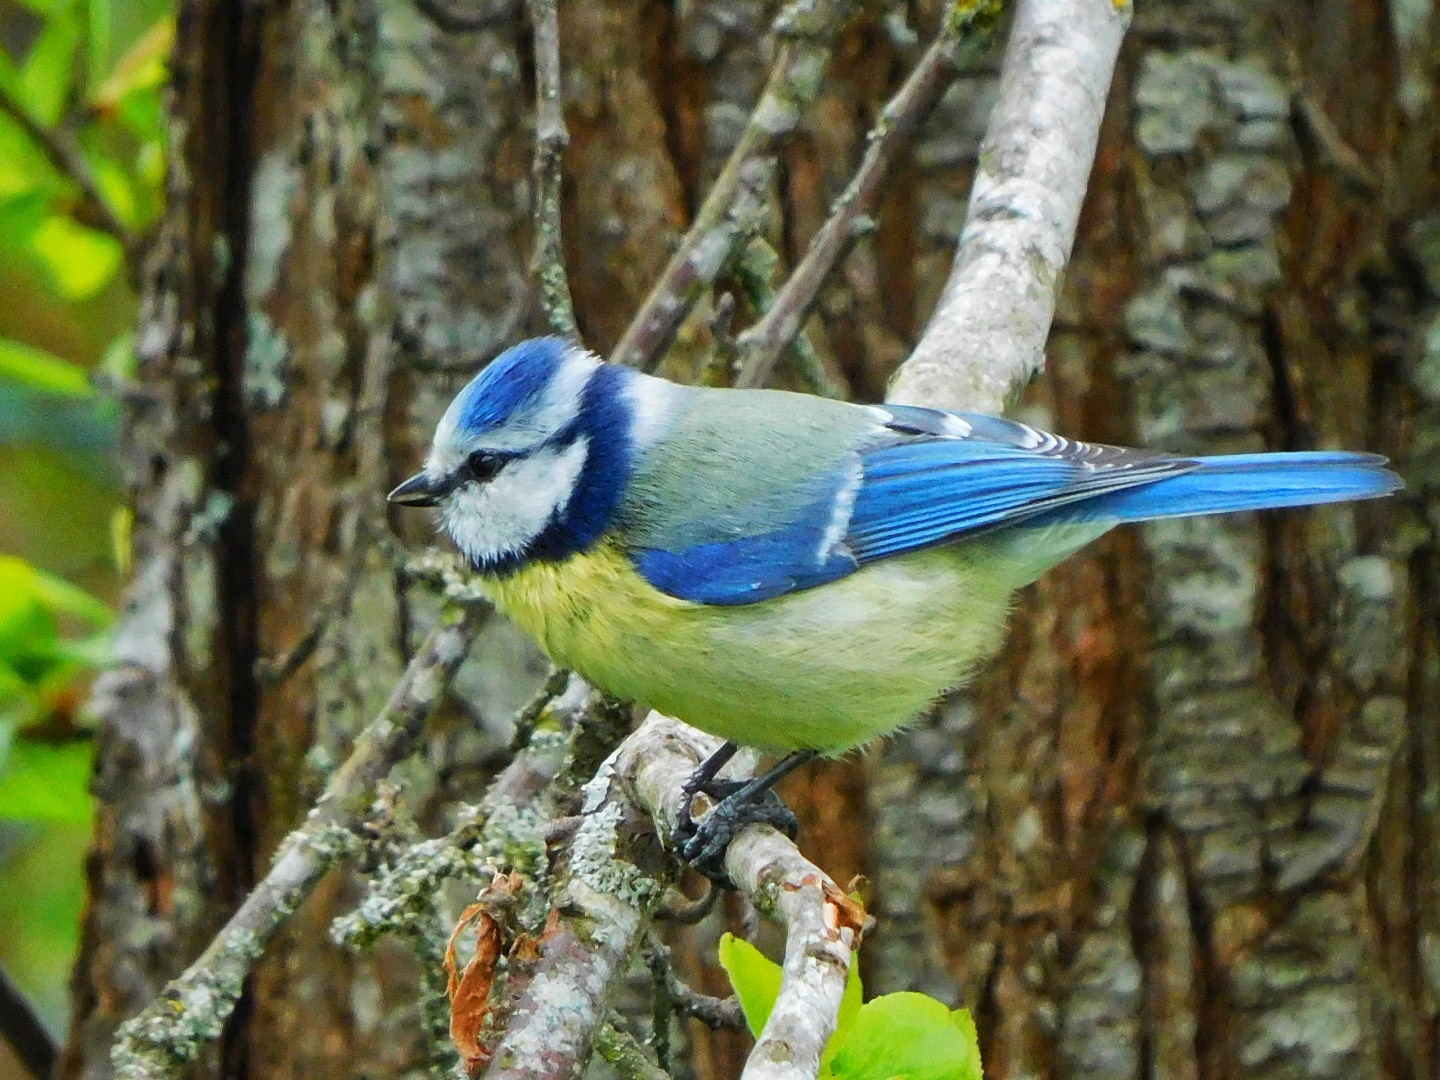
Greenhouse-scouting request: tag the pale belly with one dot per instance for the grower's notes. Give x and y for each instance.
(824, 669)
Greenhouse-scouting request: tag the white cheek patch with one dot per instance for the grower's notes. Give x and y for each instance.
(491, 521)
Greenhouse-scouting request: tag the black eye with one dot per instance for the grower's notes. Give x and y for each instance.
(484, 464)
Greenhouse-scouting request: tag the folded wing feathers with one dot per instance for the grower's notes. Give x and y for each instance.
(934, 482)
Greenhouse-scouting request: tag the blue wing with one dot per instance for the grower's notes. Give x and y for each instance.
(928, 477)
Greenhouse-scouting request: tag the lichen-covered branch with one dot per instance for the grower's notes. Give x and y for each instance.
(760, 347)
(551, 138)
(820, 923)
(193, 1008)
(987, 335)
(806, 30)
(609, 887)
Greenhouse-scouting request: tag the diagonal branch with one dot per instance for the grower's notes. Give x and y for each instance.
(22, 1030)
(807, 30)
(551, 137)
(964, 35)
(987, 335)
(193, 1008)
(65, 156)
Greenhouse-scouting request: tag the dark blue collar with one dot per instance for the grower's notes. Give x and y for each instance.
(605, 420)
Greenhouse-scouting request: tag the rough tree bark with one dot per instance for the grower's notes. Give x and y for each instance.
(1184, 828)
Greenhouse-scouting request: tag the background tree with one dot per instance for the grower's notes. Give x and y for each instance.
(1182, 828)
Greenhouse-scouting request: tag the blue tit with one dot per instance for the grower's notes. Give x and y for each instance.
(785, 571)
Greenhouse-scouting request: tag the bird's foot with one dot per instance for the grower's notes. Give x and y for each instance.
(703, 843)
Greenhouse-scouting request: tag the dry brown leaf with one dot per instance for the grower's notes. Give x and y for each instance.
(469, 990)
(849, 913)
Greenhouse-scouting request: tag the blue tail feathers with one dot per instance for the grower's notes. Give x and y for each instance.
(1243, 482)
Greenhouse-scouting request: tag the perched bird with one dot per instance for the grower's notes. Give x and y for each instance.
(785, 571)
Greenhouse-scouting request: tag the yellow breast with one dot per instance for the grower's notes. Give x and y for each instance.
(827, 668)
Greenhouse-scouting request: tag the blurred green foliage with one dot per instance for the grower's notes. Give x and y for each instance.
(82, 169)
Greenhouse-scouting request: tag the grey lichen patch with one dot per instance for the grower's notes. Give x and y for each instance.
(1238, 196)
(1372, 633)
(267, 360)
(1154, 321)
(597, 862)
(1251, 91)
(276, 180)
(1175, 98)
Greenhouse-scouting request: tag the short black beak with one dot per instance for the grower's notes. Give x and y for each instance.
(419, 490)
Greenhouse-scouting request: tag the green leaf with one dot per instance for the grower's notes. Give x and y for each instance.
(144, 67)
(23, 167)
(66, 598)
(21, 212)
(47, 77)
(27, 627)
(81, 261)
(99, 31)
(755, 977)
(114, 186)
(46, 782)
(39, 370)
(909, 1036)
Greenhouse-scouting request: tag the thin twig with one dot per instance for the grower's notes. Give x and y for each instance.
(987, 334)
(806, 30)
(551, 137)
(754, 272)
(624, 1052)
(193, 1008)
(22, 1030)
(764, 864)
(529, 715)
(723, 1014)
(761, 345)
(65, 155)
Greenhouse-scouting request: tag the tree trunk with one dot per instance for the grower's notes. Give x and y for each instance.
(1183, 828)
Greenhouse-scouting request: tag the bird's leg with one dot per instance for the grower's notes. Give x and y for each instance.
(742, 802)
(701, 780)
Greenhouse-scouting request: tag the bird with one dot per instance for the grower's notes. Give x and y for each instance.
(793, 573)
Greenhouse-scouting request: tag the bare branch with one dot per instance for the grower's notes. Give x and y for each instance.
(192, 1009)
(766, 866)
(720, 1013)
(762, 344)
(551, 137)
(64, 154)
(988, 332)
(806, 30)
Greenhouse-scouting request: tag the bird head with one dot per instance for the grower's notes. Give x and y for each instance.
(530, 458)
